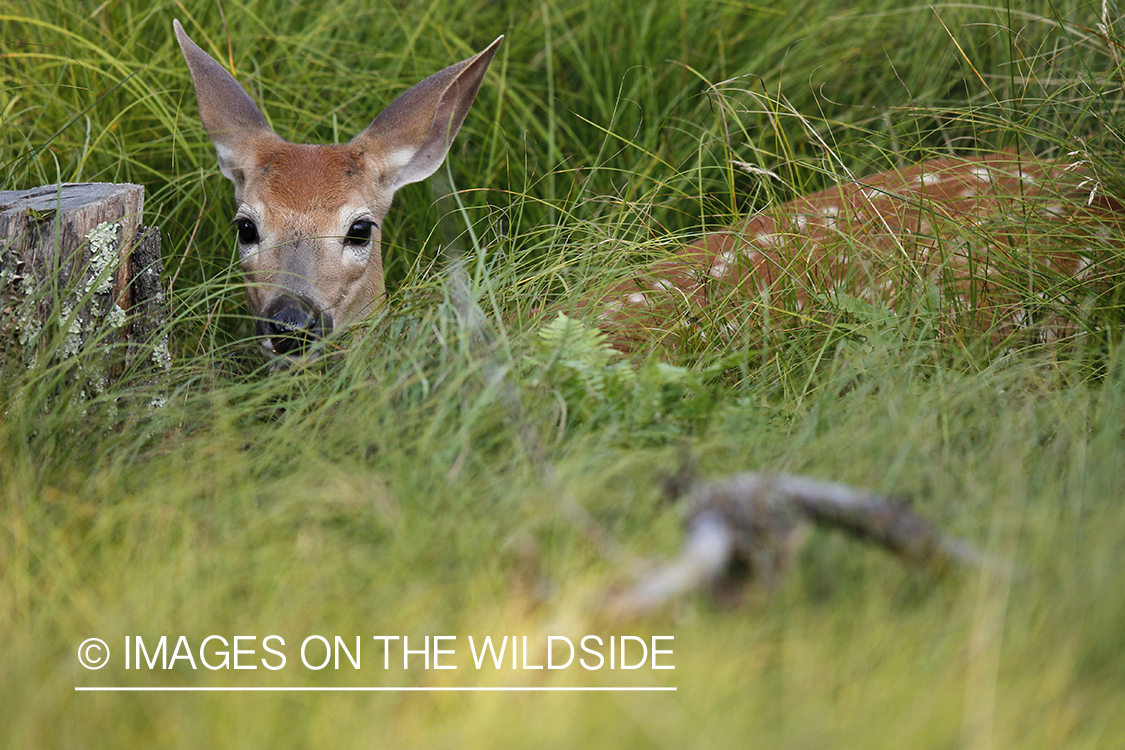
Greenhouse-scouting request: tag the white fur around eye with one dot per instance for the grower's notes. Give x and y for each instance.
(358, 254)
(246, 249)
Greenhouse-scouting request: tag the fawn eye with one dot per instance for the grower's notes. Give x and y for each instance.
(247, 231)
(360, 233)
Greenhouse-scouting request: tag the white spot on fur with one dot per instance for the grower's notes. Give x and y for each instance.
(1084, 268)
(637, 298)
(721, 264)
(829, 214)
(610, 309)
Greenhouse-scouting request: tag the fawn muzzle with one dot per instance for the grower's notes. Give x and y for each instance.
(292, 325)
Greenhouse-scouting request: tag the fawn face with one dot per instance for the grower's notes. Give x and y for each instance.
(309, 217)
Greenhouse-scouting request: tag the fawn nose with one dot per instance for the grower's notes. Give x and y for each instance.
(292, 324)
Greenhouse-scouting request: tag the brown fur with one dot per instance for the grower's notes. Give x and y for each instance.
(966, 225)
(309, 179)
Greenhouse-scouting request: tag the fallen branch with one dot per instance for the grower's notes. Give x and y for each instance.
(745, 529)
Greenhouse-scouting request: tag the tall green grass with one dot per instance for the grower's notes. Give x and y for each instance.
(441, 470)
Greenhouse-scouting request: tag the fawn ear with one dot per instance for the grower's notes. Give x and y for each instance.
(235, 125)
(414, 132)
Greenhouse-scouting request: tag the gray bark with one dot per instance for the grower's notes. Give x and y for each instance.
(80, 280)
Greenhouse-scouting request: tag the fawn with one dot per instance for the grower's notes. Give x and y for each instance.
(309, 217)
(994, 232)
(308, 224)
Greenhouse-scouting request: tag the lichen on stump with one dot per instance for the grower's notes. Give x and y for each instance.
(80, 282)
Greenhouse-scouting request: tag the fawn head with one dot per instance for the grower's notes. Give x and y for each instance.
(309, 216)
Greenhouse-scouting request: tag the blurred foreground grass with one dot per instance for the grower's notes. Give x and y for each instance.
(398, 487)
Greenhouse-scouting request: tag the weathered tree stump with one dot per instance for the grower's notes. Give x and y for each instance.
(80, 280)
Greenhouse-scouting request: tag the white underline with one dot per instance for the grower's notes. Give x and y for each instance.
(369, 689)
